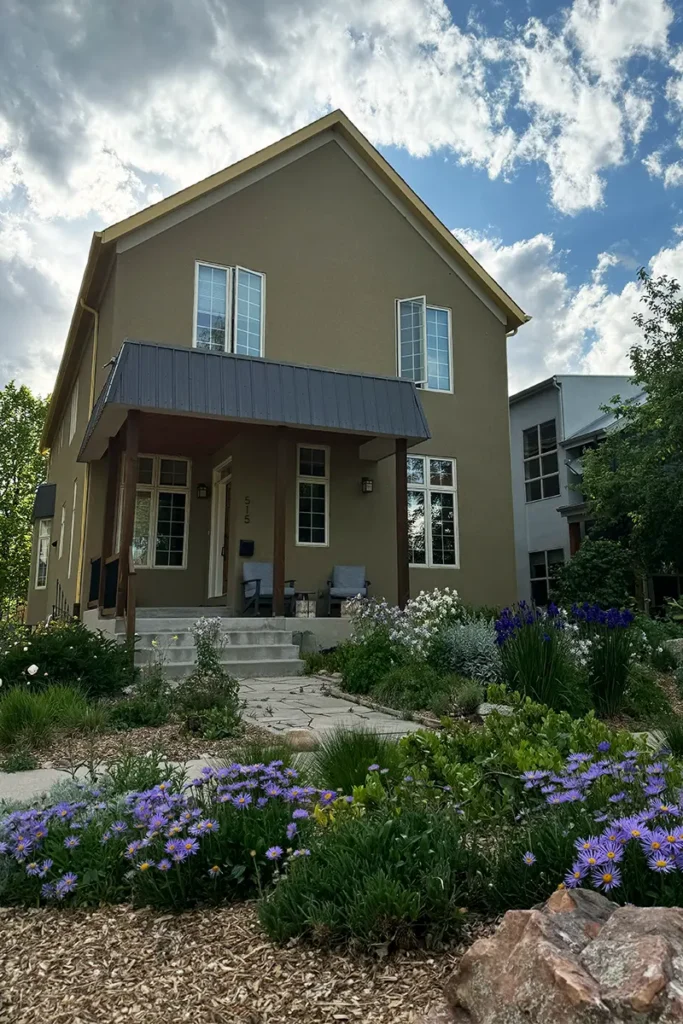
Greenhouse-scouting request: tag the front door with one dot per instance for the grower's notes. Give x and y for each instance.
(220, 529)
(226, 535)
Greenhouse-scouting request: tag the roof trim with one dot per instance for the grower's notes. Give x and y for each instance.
(535, 389)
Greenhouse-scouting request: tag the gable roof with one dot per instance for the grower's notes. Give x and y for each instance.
(103, 244)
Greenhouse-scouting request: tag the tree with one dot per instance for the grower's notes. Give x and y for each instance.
(22, 468)
(634, 479)
(600, 572)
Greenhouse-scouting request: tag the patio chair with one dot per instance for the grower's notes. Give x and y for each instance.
(347, 581)
(257, 588)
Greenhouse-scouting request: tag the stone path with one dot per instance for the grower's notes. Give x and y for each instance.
(283, 704)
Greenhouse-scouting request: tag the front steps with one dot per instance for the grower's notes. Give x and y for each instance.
(253, 647)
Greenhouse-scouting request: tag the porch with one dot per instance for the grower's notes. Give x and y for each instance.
(204, 464)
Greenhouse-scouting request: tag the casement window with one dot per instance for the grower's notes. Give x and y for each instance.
(62, 524)
(73, 412)
(543, 566)
(43, 552)
(312, 496)
(162, 508)
(424, 343)
(229, 309)
(541, 470)
(73, 528)
(432, 511)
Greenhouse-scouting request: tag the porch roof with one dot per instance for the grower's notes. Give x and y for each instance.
(222, 386)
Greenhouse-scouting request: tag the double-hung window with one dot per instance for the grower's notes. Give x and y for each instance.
(229, 309)
(432, 511)
(541, 471)
(162, 502)
(43, 552)
(424, 343)
(312, 496)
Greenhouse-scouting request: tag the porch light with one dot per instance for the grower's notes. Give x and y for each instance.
(366, 485)
(202, 490)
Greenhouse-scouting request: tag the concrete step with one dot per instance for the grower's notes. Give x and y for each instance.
(173, 623)
(242, 669)
(165, 641)
(228, 655)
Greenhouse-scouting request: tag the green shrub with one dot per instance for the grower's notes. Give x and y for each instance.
(20, 759)
(672, 727)
(375, 880)
(149, 703)
(655, 650)
(536, 662)
(25, 716)
(344, 756)
(409, 687)
(207, 702)
(470, 649)
(64, 653)
(601, 572)
(644, 698)
(365, 663)
(468, 695)
(321, 661)
(135, 773)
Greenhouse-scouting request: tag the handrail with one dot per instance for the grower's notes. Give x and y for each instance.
(130, 600)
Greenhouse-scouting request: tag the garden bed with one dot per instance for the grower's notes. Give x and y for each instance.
(117, 964)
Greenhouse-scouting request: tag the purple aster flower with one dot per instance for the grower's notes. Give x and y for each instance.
(3, 848)
(145, 865)
(44, 868)
(272, 790)
(71, 842)
(547, 789)
(214, 871)
(262, 801)
(373, 767)
(47, 891)
(604, 746)
(348, 799)
(132, 849)
(190, 846)
(301, 853)
(653, 840)
(589, 858)
(327, 796)
(300, 813)
(574, 877)
(583, 845)
(653, 788)
(617, 798)
(164, 864)
(291, 773)
(291, 830)
(173, 845)
(529, 858)
(295, 793)
(106, 836)
(607, 878)
(610, 852)
(242, 800)
(179, 856)
(274, 853)
(66, 884)
(118, 828)
(33, 868)
(204, 827)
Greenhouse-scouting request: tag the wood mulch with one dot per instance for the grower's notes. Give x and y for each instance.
(116, 964)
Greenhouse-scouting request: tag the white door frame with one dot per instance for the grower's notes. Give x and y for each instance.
(220, 480)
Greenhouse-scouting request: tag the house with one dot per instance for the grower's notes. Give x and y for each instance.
(292, 362)
(551, 425)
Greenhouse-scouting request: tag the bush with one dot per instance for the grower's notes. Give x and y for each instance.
(608, 667)
(600, 572)
(409, 687)
(20, 759)
(344, 756)
(321, 661)
(365, 663)
(536, 660)
(469, 648)
(149, 703)
(208, 700)
(672, 727)
(656, 632)
(65, 653)
(468, 695)
(644, 699)
(24, 720)
(135, 773)
(378, 880)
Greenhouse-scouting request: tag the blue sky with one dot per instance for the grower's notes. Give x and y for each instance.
(546, 135)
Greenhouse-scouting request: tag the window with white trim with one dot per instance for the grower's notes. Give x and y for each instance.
(312, 496)
(541, 471)
(229, 309)
(162, 510)
(543, 566)
(62, 524)
(73, 528)
(424, 343)
(73, 412)
(43, 552)
(432, 511)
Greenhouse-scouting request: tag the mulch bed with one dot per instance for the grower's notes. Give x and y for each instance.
(116, 964)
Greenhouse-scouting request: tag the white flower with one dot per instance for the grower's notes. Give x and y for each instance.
(25, 648)
(32, 669)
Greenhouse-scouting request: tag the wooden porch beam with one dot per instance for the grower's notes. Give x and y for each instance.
(402, 549)
(130, 477)
(279, 526)
(113, 454)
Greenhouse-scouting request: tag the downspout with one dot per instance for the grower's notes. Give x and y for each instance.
(86, 482)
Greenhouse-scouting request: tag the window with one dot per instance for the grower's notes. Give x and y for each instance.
(229, 309)
(424, 343)
(62, 523)
(312, 504)
(43, 554)
(73, 528)
(73, 412)
(543, 565)
(432, 511)
(540, 461)
(161, 512)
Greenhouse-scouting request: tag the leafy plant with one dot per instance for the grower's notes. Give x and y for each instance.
(672, 727)
(409, 687)
(321, 661)
(135, 773)
(535, 658)
(469, 648)
(149, 703)
(208, 700)
(344, 756)
(600, 572)
(365, 663)
(644, 698)
(468, 695)
(20, 759)
(25, 716)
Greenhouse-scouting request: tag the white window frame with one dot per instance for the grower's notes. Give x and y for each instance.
(44, 536)
(73, 412)
(424, 384)
(541, 455)
(427, 489)
(230, 305)
(156, 488)
(73, 529)
(62, 527)
(305, 479)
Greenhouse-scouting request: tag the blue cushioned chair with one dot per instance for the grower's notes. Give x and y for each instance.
(257, 588)
(347, 581)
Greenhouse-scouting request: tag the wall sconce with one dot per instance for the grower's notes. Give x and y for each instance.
(202, 490)
(366, 485)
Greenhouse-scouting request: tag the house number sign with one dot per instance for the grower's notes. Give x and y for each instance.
(247, 503)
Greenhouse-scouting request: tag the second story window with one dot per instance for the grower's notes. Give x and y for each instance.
(229, 309)
(541, 471)
(424, 344)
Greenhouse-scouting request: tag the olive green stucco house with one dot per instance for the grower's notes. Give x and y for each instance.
(292, 362)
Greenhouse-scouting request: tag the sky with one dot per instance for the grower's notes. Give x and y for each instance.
(547, 136)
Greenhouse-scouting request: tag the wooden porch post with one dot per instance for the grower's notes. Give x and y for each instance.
(130, 477)
(402, 550)
(113, 454)
(279, 527)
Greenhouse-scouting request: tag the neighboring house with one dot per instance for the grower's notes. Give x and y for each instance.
(291, 362)
(551, 425)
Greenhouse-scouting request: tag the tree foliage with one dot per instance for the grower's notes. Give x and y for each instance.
(600, 572)
(22, 468)
(634, 479)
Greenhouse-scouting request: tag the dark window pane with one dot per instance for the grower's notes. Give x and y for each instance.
(145, 466)
(532, 469)
(173, 472)
(170, 529)
(443, 518)
(548, 436)
(551, 486)
(311, 462)
(416, 528)
(530, 442)
(537, 564)
(549, 463)
(416, 470)
(539, 591)
(555, 558)
(533, 490)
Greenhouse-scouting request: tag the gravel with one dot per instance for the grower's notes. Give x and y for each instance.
(214, 966)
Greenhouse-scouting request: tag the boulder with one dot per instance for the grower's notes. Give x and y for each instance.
(577, 959)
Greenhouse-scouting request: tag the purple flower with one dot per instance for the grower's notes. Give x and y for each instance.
(204, 827)
(661, 863)
(607, 878)
(47, 891)
(529, 858)
(272, 790)
(71, 842)
(66, 884)
(291, 830)
(300, 812)
(44, 868)
(242, 800)
(118, 828)
(190, 847)
(33, 868)
(214, 871)
(164, 864)
(301, 853)
(373, 767)
(616, 798)
(653, 840)
(274, 853)
(589, 858)
(574, 877)
(604, 746)
(262, 801)
(583, 845)
(610, 852)
(327, 796)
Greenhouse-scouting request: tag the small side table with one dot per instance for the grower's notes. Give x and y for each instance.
(305, 602)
